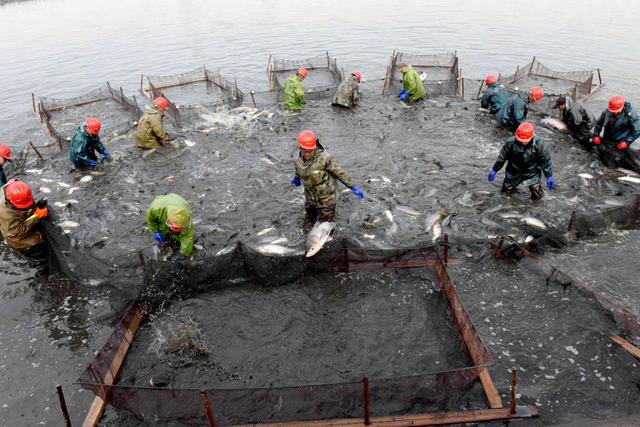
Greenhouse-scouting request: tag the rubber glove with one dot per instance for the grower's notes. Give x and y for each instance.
(623, 146)
(296, 181)
(106, 154)
(91, 163)
(358, 192)
(158, 237)
(41, 212)
(402, 92)
(172, 137)
(491, 176)
(550, 183)
(404, 96)
(596, 140)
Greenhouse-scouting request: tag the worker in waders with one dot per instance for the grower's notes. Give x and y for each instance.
(20, 219)
(85, 144)
(294, 91)
(318, 171)
(348, 93)
(169, 220)
(526, 158)
(5, 156)
(495, 96)
(578, 119)
(615, 130)
(514, 111)
(413, 89)
(150, 131)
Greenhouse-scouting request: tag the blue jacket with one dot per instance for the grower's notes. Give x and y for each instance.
(625, 127)
(83, 148)
(524, 162)
(513, 112)
(494, 97)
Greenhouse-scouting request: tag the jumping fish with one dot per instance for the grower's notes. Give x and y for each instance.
(533, 222)
(318, 236)
(554, 123)
(629, 180)
(265, 231)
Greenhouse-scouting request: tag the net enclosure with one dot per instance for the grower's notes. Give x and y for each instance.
(434, 394)
(443, 75)
(324, 74)
(201, 87)
(59, 117)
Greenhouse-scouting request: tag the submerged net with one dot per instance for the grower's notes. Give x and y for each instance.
(324, 75)
(443, 74)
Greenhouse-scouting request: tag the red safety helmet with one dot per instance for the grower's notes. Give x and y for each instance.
(307, 140)
(5, 152)
(536, 93)
(525, 132)
(93, 125)
(161, 102)
(303, 72)
(19, 194)
(357, 75)
(616, 104)
(490, 79)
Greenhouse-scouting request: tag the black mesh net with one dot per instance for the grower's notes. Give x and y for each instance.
(441, 70)
(324, 75)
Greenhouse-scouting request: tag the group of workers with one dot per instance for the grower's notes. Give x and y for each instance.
(169, 217)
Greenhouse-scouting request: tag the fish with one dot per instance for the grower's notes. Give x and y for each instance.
(72, 189)
(96, 173)
(385, 179)
(627, 171)
(437, 231)
(63, 185)
(393, 229)
(629, 180)
(60, 205)
(529, 239)
(369, 236)
(85, 179)
(318, 236)
(437, 217)
(45, 189)
(34, 171)
(533, 222)
(225, 251)
(189, 143)
(147, 153)
(407, 210)
(389, 215)
(46, 180)
(586, 176)
(554, 123)
(484, 110)
(267, 161)
(265, 231)
(69, 224)
(271, 249)
(279, 241)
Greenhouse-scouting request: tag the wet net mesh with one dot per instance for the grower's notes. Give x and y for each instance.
(418, 393)
(443, 75)
(324, 74)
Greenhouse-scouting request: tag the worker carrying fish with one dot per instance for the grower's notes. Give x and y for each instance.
(526, 158)
(5, 156)
(169, 220)
(615, 130)
(413, 89)
(348, 92)
(19, 219)
(318, 171)
(515, 109)
(150, 131)
(578, 119)
(294, 91)
(85, 143)
(495, 96)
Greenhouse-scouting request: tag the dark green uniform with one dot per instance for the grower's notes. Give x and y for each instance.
(319, 175)
(513, 112)
(494, 97)
(525, 163)
(578, 119)
(618, 128)
(3, 177)
(83, 148)
(348, 93)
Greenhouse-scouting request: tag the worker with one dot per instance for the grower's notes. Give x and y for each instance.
(620, 127)
(318, 171)
(413, 89)
(150, 131)
(348, 92)
(526, 158)
(514, 111)
(85, 143)
(294, 91)
(5, 156)
(495, 96)
(169, 220)
(578, 119)
(19, 219)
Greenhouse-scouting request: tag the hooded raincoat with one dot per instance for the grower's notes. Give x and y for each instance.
(412, 84)
(157, 220)
(293, 94)
(150, 131)
(83, 148)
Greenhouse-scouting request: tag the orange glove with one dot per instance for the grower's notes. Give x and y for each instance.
(41, 212)
(623, 146)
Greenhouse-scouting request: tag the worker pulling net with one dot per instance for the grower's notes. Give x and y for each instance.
(440, 71)
(324, 75)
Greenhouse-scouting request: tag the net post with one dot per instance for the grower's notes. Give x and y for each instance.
(480, 88)
(599, 75)
(33, 103)
(462, 82)
(515, 75)
(36, 150)
(514, 385)
(207, 408)
(365, 398)
(109, 86)
(253, 99)
(446, 249)
(533, 61)
(141, 82)
(63, 405)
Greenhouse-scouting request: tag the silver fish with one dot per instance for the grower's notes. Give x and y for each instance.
(85, 179)
(407, 210)
(275, 250)
(554, 123)
(265, 231)
(437, 230)
(318, 236)
(629, 180)
(267, 161)
(534, 222)
(189, 143)
(72, 189)
(45, 190)
(389, 215)
(369, 236)
(34, 171)
(279, 241)
(586, 176)
(385, 179)
(69, 224)
(435, 218)
(63, 185)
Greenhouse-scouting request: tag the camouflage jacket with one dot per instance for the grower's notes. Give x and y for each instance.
(319, 175)
(348, 93)
(16, 231)
(150, 131)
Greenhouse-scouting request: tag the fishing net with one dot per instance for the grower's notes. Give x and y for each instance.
(324, 74)
(442, 73)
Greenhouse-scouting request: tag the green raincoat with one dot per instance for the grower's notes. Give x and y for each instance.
(293, 94)
(157, 221)
(412, 84)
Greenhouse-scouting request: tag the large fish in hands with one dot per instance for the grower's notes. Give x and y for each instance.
(318, 236)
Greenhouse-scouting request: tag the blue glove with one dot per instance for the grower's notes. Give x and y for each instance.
(402, 92)
(172, 137)
(91, 163)
(358, 192)
(106, 154)
(296, 181)
(550, 183)
(491, 176)
(404, 95)
(158, 237)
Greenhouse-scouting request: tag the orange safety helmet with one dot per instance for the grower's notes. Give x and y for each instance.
(525, 132)
(93, 125)
(307, 140)
(5, 152)
(490, 79)
(303, 72)
(161, 102)
(616, 104)
(19, 194)
(536, 93)
(357, 75)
